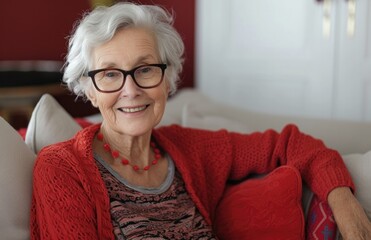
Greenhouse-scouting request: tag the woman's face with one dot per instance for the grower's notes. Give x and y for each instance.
(133, 110)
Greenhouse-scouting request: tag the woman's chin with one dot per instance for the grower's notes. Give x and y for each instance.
(135, 128)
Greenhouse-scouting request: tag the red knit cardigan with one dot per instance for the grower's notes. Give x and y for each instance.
(70, 200)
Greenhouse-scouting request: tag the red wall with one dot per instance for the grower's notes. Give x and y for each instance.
(36, 30)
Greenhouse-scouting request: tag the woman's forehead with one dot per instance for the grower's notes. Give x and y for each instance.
(129, 46)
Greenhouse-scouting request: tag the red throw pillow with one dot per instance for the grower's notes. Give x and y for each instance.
(263, 208)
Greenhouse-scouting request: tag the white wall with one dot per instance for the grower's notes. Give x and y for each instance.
(274, 56)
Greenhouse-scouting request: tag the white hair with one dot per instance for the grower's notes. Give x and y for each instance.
(100, 25)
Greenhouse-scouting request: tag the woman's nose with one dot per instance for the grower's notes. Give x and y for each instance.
(130, 88)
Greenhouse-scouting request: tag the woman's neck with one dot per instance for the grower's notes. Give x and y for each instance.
(136, 149)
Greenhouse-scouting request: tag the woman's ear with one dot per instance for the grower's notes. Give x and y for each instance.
(90, 94)
(167, 88)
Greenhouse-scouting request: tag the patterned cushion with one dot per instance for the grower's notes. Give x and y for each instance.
(320, 223)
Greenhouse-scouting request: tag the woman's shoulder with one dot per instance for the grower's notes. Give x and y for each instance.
(56, 154)
(69, 151)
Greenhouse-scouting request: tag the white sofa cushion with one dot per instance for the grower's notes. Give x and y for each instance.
(194, 116)
(175, 105)
(345, 136)
(49, 124)
(16, 164)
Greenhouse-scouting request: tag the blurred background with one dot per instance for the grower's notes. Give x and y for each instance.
(292, 57)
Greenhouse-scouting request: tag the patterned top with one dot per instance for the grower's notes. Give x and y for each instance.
(166, 212)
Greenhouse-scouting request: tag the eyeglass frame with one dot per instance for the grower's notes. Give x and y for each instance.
(131, 72)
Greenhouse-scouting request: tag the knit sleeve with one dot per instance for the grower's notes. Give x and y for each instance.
(61, 208)
(320, 167)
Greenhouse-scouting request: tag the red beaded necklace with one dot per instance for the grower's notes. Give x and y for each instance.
(115, 154)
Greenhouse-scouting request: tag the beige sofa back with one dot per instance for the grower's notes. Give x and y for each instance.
(193, 109)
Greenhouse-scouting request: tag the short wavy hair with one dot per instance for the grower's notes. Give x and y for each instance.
(100, 25)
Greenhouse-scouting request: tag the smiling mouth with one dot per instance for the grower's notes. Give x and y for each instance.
(133, 109)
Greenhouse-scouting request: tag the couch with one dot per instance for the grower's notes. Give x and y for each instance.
(287, 203)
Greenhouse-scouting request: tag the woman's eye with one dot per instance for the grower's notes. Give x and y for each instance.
(145, 70)
(111, 74)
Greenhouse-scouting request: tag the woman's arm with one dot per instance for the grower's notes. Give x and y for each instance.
(61, 208)
(349, 215)
(320, 167)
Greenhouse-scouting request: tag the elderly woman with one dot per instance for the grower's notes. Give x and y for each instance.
(123, 179)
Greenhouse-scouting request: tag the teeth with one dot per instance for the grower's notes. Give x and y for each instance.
(132, 110)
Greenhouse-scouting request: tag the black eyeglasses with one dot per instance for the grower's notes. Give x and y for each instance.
(109, 80)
